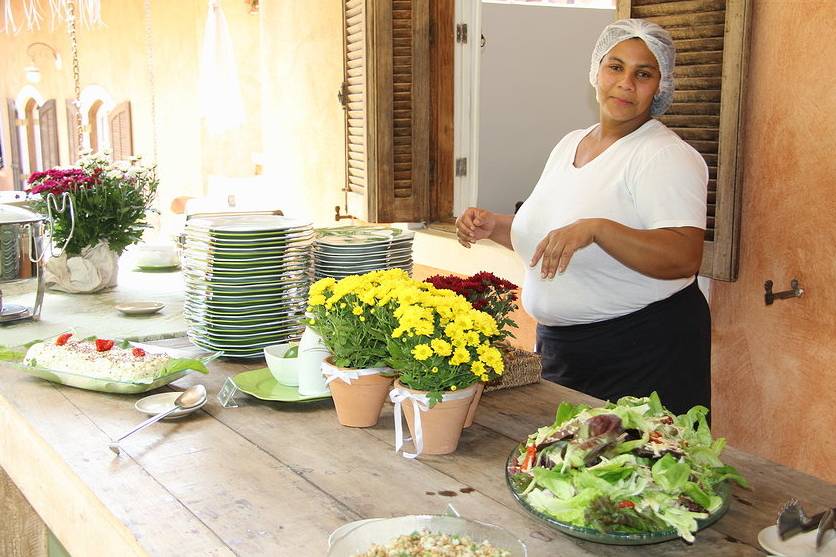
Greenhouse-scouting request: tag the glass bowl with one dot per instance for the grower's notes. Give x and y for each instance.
(612, 538)
(352, 541)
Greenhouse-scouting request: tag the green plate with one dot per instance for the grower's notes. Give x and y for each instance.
(157, 268)
(260, 383)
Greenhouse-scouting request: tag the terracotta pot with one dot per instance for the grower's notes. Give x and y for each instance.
(471, 412)
(359, 402)
(443, 423)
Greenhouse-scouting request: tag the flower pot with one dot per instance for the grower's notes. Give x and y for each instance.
(471, 412)
(435, 430)
(95, 269)
(358, 393)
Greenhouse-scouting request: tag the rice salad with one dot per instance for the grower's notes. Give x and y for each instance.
(424, 543)
(98, 358)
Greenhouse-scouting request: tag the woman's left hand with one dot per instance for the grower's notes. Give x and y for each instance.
(559, 245)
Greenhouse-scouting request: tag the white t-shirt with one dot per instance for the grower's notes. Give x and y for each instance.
(648, 179)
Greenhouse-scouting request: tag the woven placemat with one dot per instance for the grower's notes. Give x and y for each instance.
(521, 368)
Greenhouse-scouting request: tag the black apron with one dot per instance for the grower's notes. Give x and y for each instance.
(664, 347)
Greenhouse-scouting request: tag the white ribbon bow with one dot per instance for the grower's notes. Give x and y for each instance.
(420, 403)
(332, 373)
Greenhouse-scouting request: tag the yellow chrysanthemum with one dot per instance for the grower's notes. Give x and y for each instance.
(357, 310)
(441, 347)
(422, 351)
(460, 356)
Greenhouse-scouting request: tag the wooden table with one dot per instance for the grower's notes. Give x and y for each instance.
(276, 479)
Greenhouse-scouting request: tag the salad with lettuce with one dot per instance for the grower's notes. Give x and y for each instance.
(626, 468)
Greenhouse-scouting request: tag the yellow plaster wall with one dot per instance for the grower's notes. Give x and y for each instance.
(115, 56)
(303, 121)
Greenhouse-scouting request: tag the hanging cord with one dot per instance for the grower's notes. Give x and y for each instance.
(149, 62)
(71, 26)
(32, 11)
(8, 14)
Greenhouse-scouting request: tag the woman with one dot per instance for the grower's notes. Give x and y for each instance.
(613, 233)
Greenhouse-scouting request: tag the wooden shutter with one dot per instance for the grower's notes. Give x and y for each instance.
(72, 131)
(386, 97)
(711, 39)
(48, 122)
(121, 137)
(14, 144)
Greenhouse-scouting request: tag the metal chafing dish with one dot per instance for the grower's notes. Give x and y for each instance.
(22, 242)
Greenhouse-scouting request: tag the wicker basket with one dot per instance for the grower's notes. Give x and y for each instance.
(521, 368)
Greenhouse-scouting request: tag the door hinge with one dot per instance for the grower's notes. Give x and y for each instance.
(461, 166)
(461, 33)
(342, 94)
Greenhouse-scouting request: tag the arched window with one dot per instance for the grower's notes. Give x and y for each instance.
(96, 104)
(34, 146)
(96, 129)
(33, 139)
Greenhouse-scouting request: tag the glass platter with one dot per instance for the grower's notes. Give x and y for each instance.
(107, 385)
(611, 538)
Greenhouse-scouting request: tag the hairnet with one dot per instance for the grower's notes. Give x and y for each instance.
(658, 41)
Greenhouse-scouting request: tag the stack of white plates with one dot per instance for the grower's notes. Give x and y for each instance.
(247, 280)
(355, 250)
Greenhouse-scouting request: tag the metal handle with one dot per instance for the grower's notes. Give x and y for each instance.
(153, 419)
(52, 201)
(770, 296)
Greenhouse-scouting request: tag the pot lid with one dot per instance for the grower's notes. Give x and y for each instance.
(17, 215)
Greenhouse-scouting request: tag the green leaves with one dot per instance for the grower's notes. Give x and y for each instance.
(566, 411)
(182, 364)
(670, 474)
(8, 354)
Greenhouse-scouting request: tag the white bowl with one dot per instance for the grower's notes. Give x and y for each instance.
(284, 370)
(156, 255)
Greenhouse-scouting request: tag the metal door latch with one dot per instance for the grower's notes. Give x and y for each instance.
(770, 296)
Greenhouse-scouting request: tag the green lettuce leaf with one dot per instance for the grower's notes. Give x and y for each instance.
(566, 411)
(11, 354)
(670, 474)
(182, 364)
(559, 484)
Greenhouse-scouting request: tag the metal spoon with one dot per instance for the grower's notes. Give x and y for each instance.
(191, 397)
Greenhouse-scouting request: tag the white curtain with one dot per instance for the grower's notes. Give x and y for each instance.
(220, 94)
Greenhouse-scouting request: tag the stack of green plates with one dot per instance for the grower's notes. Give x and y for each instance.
(356, 250)
(247, 280)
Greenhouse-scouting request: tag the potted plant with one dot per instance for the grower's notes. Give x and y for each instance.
(495, 296)
(344, 313)
(110, 200)
(442, 349)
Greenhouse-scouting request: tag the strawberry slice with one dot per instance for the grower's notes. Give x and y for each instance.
(103, 345)
(138, 352)
(62, 339)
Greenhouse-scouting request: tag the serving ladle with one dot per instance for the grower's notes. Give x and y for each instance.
(191, 397)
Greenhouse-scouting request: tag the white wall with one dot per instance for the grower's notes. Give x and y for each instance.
(534, 89)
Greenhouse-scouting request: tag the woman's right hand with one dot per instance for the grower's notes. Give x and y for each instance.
(475, 224)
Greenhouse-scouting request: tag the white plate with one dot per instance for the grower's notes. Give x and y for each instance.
(139, 308)
(244, 224)
(801, 545)
(161, 402)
